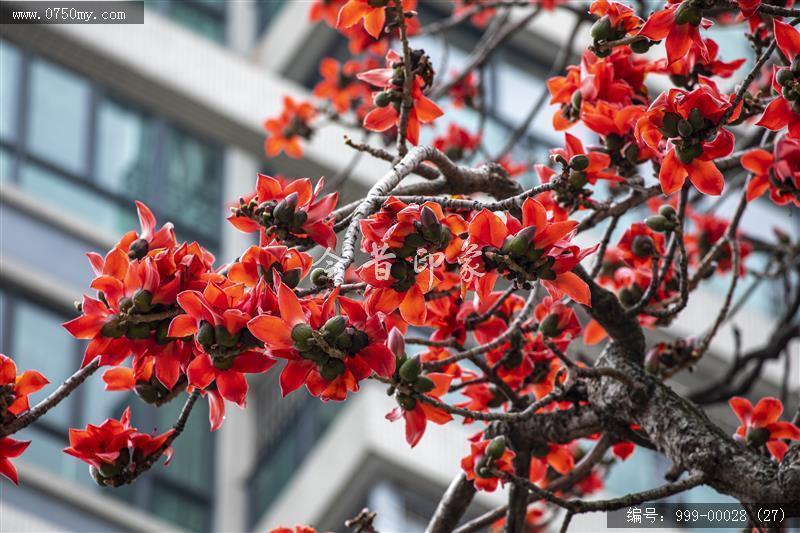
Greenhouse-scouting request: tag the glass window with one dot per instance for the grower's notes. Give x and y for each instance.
(124, 151)
(206, 24)
(188, 512)
(192, 179)
(103, 213)
(6, 166)
(58, 115)
(9, 89)
(40, 343)
(191, 464)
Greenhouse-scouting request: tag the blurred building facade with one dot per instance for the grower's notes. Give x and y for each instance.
(170, 112)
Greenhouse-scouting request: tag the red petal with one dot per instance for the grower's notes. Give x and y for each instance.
(232, 386)
(788, 39)
(201, 372)
(766, 411)
(29, 382)
(272, 330)
(120, 378)
(574, 287)
(294, 375)
(742, 408)
(706, 177)
(672, 174)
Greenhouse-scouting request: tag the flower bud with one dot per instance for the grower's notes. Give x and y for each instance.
(334, 326)
(667, 211)
(411, 369)
(205, 334)
(757, 436)
(138, 249)
(657, 223)
(382, 99)
(549, 326)
(577, 179)
(579, 162)
(424, 384)
(685, 128)
(406, 402)
(138, 331)
(641, 47)
(784, 77)
(669, 125)
(687, 13)
(632, 154)
(614, 142)
(428, 217)
(226, 338)
(319, 277)
(602, 29)
(113, 329)
(643, 246)
(332, 369)
(291, 278)
(496, 447)
(696, 119)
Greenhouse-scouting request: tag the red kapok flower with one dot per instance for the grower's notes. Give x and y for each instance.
(287, 210)
(760, 425)
(557, 456)
(285, 131)
(639, 244)
(114, 447)
(14, 389)
(621, 16)
(778, 171)
(10, 448)
(326, 10)
(218, 319)
(784, 110)
(417, 413)
(679, 23)
(476, 465)
(687, 119)
(372, 12)
(339, 84)
(137, 245)
(537, 245)
(457, 142)
(328, 353)
(258, 263)
(389, 100)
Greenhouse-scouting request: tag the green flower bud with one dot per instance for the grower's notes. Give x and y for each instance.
(614, 142)
(319, 277)
(428, 217)
(657, 223)
(334, 326)
(125, 304)
(331, 369)
(205, 335)
(138, 331)
(414, 240)
(667, 211)
(669, 125)
(138, 249)
(147, 392)
(685, 128)
(291, 278)
(784, 77)
(226, 338)
(579, 162)
(406, 402)
(411, 369)
(641, 47)
(222, 363)
(652, 361)
(424, 384)
(360, 341)
(687, 13)
(382, 99)
(696, 119)
(643, 246)
(344, 341)
(549, 326)
(496, 447)
(577, 179)
(757, 436)
(161, 332)
(602, 29)
(113, 329)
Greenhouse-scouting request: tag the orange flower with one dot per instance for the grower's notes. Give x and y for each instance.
(679, 24)
(476, 465)
(10, 448)
(14, 389)
(760, 425)
(285, 131)
(778, 171)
